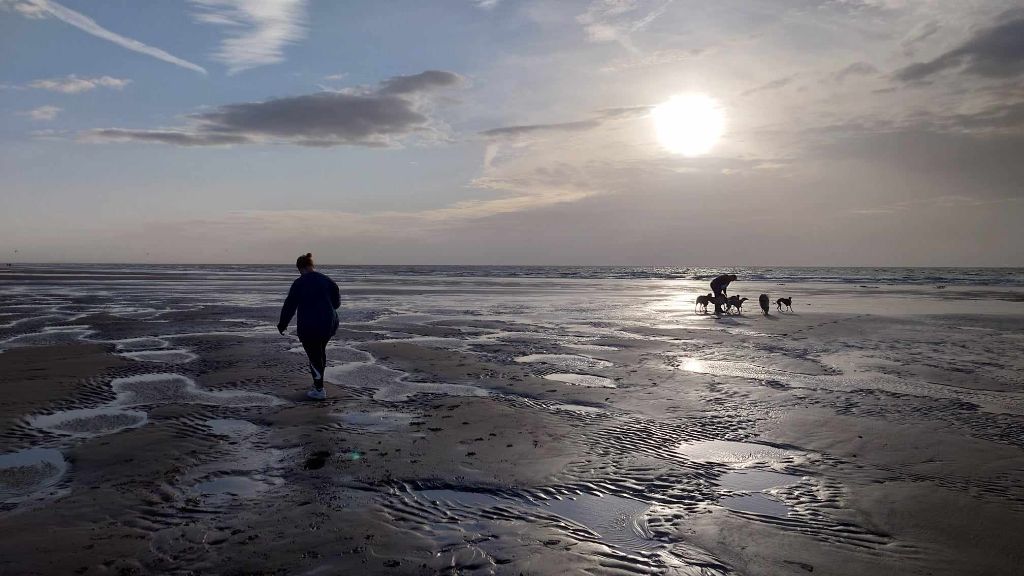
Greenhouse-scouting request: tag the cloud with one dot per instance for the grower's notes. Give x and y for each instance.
(599, 119)
(73, 84)
(377, 117)
(258, 30)
(855, 69)
(771, 85)
(485, 4)
(176, 137)
(655, 58)
(43, 113)
(616, 20)
(918, 34)
(47, 8)
(526, 129)
(994, 52)
(422, 82)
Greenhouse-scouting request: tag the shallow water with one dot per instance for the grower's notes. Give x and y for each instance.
(176, 356)
(177, 389)
(618, 522)
(727, 452)
(27, 472)
(90, 421)
(572, 361)
(588, 380)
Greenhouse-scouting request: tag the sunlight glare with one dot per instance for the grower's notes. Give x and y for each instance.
(689, 124)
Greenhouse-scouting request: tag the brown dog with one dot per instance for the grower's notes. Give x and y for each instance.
(701, 305)
(735, 302)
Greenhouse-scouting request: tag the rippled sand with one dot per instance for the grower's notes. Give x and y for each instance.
(155, 422)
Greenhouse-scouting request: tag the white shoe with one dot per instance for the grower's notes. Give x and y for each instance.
(315, 394)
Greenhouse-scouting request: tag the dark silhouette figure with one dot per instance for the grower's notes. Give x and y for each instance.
(788, 302)
(764, 302)
(719, 286)
(316, 298)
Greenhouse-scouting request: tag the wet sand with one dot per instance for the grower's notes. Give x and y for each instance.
(158, 425)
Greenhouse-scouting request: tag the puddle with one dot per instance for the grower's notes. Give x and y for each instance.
(726, 452)
(582, 380)
(756, 480)
(755, 503)
(164, 356)
(590, 347)
(619, 522)
(574, 361)
(89, 421)
(228, 427)
(391, 384)
(26, 472)
(177, 389)
(50, 336)
(733, 369)
(137, 344)
(379, 421)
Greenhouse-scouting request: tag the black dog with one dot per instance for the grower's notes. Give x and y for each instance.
(787, 301)
(764, 302)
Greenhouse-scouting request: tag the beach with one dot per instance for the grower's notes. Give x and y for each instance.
(504, 421)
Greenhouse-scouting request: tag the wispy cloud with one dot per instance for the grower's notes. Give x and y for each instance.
(257, 30)
(855, 69)
(485, 4)
(600, 118)
(43, 113)
(355, 117)
(73, 84)
(617, 20)
(47, 8)
(651, 59)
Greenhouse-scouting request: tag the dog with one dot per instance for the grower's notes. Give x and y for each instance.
(701, 305)
(735, 302)
(764, 302)
(788, 302)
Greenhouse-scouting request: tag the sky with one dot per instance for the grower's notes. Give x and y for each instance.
(846, 132)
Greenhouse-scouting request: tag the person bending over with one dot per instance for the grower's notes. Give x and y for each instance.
(317, 298)
(718, 286)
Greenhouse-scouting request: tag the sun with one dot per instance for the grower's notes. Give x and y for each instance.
(689, 124)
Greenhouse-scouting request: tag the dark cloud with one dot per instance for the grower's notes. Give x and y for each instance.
(316, 119)
(856, 69)
(421, 82)
(995, 52)
(323, 119)
(176, 137)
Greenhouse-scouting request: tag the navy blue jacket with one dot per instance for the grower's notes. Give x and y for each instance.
(317, 299)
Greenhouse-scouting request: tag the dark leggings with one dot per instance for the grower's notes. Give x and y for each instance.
(317, 352)
(718, 294)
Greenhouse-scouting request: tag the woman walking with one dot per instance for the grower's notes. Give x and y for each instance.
(316, 298)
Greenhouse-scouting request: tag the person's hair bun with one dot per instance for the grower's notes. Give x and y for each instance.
(304, 261)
